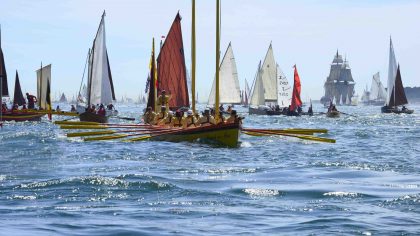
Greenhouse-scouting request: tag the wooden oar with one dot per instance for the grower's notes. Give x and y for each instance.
(293, 130)
(124, 118)
(118, 136)
(306, 137)
(95, 133)
(60, 122)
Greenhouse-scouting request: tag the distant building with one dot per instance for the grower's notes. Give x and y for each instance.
(339, 86)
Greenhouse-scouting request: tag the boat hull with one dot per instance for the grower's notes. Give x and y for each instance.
(92, 117)
(333, 114)
(386, 109)
(223, 134)
(257, 111)
(22, 116)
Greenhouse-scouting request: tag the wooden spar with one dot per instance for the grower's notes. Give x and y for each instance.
(154, 78)
(217, 115)
(193, 57)
(40, 87)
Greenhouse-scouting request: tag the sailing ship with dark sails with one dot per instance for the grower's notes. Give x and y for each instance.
(100, 88)
(396, 94)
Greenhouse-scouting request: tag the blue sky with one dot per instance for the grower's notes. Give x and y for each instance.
(305, 32)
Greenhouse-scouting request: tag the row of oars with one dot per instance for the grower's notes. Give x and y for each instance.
(138, 132)
(306, 134)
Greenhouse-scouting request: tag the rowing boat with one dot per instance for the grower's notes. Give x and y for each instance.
(333, 114)
(21, 116)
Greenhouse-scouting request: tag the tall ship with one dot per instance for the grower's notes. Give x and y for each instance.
(339, 86)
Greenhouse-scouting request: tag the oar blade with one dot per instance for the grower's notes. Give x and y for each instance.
(75, 123)
(83, 127)
(142, 138)
(83, 134)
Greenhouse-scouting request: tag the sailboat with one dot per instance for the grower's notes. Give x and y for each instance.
(100, 89)
(296, 102)
(19, 100)
(225, 134)
(230, 92)
(396, 94)
(63, 98)
(377, 94)
(245, 96)
(270, 88)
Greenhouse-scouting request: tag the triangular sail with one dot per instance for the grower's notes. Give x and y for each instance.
(398, 94)
(230, 92)
(172, 76)
(246, 93)
(283, 89)
(257, 97)
(151, 101)
(377, 90)
(63, 98)
(100, 81)
(3, 73)
(18, 97)
(43, 79)
(296, 101)
(392, 71)
(269, 76)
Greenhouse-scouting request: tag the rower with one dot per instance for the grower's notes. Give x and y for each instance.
(58, 108)
(168, 119)
(233, 118)
(31, 101)
(110, 107)
(101, 110)
(333, 108)
(162, 115)
(73, 109)
(149, 117)
(178, 120)
(310, 111)
(207, 119)
(163, 100)
(190, 120)
(404, 108)
(15, 108)
(4, 107)
(229, 109)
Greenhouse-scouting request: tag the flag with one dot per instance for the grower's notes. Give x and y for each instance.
(48, 100)
(296, 102)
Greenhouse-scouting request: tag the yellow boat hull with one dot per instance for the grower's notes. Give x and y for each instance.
(222, 134)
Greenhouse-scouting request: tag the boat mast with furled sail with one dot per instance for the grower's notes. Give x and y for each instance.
(171, 70)
(396, 94)
(100, 89)
(230, 92)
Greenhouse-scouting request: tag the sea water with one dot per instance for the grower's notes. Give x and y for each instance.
(368, 183)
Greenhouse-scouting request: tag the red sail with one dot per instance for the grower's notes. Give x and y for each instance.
(296, 102)
(172, 76)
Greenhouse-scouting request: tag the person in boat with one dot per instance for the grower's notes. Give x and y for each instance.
(149, 117)
(58, 108)
(73, 109)
(190, 120)
(222, 118)
(207, 119)
(299, 109)
(15, 108)
(168, 119)
(101, 110)
(333, 108)
(234, 118)
(24, 109)
(221, 108)
(404, 108)
(162, 115)
(229, 109)
(178, 120)
(4, 107)
(31, 101)
(163, 100)
(93, 109)
(110, 107)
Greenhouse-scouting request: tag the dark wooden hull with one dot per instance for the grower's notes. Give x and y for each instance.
(21, 116)
(256, 111)
(92, 117)
(395, 110)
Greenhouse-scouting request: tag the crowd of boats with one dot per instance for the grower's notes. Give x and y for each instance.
(269, 94)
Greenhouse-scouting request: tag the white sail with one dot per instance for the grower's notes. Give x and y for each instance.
(269, 76)
(377, 91)
(284, 90)
(257, 96)
(100, 77)
(43, 77)
(392, 71)
(229, 91)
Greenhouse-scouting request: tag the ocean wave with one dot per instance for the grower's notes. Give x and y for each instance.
(258, 192)
(341, 194)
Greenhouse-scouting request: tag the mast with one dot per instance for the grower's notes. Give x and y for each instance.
(217, 59)
(193, 57)
(40, 86)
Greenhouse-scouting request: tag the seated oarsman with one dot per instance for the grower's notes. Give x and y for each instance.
(178, 120)
(333, 108)
(110, 107)
(101, 110)
(229, 109)
(149, 117)
(207, 119)
(163, 100)
(168, 119)
(221, 117)
(190, 120)
(404, 108)
(31, 101)
(161, 116)
(58, 108)
(4, 107)
(15, 108)
(73, 109)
